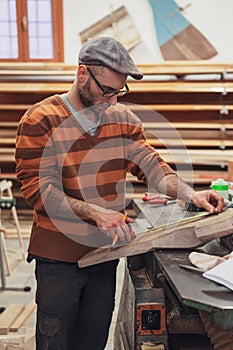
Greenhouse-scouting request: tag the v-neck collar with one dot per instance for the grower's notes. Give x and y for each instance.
(84, 123)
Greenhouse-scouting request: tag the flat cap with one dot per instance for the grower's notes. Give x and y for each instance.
(108, 52)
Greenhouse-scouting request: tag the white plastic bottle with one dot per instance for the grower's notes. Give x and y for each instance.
(221, 186)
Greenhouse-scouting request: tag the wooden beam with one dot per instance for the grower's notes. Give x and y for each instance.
(183, 107)
(36, 66)
(135, 87)
(190, 143)
(13, 107)
(179, 235)
(117, 24)
(29, 308)
(230, 171)
(205, 126)
(179, 87)
(165, 67)
(8, 316)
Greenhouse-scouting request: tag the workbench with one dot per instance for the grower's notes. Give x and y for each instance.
(212, 302)
(196, 290)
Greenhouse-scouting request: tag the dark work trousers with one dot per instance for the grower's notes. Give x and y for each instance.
(74, 305)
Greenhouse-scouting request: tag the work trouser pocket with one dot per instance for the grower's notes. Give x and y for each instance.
(47, 330)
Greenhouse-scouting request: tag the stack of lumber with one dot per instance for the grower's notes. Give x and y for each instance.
(195, 100)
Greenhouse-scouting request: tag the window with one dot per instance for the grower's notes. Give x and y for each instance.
(31, 30)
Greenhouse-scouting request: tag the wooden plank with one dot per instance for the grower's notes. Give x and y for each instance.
(34, 87)
(230, 171)
(179, 235)
(171, 156)
(170, 67)
(183, 107)
(36, 73)
(183, 86)
(54, 78)
(8, 316)
(7, 141)
(164, 141)
(194, 155)
(135, 86)
(197, 176)
(14, 107)
(117, 24)
(8, 125)
(163, 69)
(190, 143)
(177, 37)
(185, 63)
(223, 109)
(29, 308)
(170, 126)
(180, 64)
(188, 134)
(36, 65)
(8, 150)
(190, 44)
(10, 176)
(152, 73)
(177, 112)
(9, 132)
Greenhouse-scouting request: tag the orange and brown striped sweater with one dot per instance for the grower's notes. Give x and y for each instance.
(55, 156)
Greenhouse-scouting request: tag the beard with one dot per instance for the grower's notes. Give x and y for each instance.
(88, 100)
(85, 95)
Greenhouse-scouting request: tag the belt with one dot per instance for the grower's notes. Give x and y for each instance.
(31, 257)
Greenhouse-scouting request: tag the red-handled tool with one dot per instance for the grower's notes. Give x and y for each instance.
(149, 197)
(156, 199)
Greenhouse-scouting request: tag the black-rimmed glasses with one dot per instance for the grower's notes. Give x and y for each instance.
(108, 92)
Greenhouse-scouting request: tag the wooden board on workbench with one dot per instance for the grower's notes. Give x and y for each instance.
(186, 234)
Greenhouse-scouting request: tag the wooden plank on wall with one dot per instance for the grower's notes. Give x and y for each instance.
(118, 24)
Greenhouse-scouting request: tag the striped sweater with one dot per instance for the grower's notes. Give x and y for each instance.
(56, 157)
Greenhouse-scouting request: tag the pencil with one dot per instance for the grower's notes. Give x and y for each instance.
(115, 238)
(114, 241)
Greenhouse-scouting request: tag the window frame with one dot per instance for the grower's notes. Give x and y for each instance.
(23, 39)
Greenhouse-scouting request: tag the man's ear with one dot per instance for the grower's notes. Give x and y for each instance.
(82, 73)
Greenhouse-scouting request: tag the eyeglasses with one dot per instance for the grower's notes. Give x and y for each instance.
(108, 92)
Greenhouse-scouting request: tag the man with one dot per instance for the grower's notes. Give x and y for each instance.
(73, 152)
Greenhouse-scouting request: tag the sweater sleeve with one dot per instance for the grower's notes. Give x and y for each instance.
(41, 148)
(36, 167)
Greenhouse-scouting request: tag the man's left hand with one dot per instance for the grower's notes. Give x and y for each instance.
(209, 200)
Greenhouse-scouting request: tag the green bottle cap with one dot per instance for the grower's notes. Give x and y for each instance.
(220, 185)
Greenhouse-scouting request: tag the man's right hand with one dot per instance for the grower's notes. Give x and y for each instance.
(112, 222)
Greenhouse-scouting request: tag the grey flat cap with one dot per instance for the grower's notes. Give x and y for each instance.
(108, 52)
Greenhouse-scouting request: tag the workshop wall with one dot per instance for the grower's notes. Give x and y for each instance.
(212, 17)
